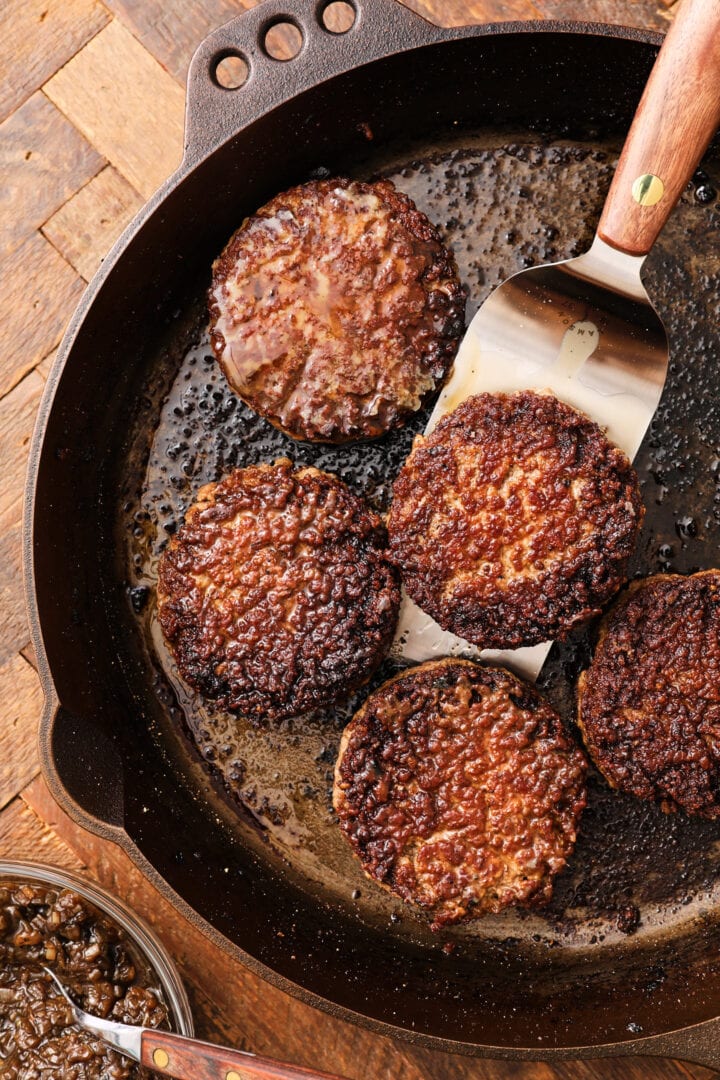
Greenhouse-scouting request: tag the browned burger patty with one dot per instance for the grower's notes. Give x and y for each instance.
(336, 310)
(275, 596)
(514, 519)
(649, 704)
(459, 790)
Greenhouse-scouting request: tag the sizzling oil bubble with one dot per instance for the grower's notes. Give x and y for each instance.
(502, 204)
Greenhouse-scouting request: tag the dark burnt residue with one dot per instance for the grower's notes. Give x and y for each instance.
(275, 596)
(458, 789)
(45, 926)
(336, 310)
(501, 202)
(649, 704)
(514, 520)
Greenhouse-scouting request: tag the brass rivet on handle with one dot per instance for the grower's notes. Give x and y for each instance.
(161, 1058)
(232, 1075)
(648, 189)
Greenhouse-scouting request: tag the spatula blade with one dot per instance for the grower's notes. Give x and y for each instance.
(583, 330)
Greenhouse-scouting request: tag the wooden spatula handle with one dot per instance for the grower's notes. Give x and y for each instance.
(191, 1059)
(676, 119)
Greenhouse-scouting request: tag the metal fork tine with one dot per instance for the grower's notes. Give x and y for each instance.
(124, 1037)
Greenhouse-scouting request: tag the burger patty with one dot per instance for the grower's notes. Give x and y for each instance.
(514, 520)
(275, 596)
(336, 310)
(649, 704)
(459, 790)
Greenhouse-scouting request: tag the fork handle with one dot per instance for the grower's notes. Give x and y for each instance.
(191, 1059)
(678, 115)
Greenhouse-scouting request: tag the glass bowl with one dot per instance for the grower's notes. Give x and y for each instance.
(139, 934)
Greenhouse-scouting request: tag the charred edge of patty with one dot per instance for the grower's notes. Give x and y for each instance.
(521, 611)
(436, 354)
(648, 737)
(351, 648)
(363, 793)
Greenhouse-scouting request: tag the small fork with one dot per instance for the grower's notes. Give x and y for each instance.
(186, 1059)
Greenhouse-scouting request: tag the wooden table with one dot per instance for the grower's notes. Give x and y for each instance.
(87, 86)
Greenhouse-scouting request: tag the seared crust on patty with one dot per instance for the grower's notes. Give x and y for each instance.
(514, 520)
(459, 790)
(649, 704)
(275, 596)
(336, 310)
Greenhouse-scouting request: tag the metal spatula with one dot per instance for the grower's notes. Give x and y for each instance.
(585, 329)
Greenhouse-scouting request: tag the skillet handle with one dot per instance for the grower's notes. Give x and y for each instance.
(214, 113)
(678, 115)
(698, 1045)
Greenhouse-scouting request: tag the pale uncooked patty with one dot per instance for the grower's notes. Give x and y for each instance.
(514, 520)
(336, 310)
(649, 704)
(459, 790)
(276, 596)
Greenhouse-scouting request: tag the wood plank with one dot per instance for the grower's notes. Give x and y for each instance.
(15, 629)
(86, 227)
(28, 652)
(172, 31)
(24, 836)
(43, 160)
(17, 417)
(466, 12)
(698, 1072)
(125, 104)
(22, 704)
(43, 368)
(39, 295)
(36, 38)
(650, 14)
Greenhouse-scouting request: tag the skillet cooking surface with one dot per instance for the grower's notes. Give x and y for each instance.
(237, 820)
(503, 202)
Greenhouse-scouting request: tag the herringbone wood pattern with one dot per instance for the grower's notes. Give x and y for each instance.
(87, 86)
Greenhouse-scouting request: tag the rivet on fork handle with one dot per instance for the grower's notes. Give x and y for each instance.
(648, 190)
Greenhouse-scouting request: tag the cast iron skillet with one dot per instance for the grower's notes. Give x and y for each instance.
(625, 962)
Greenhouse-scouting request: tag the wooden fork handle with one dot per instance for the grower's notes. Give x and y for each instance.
(677, 117)
(191, 1059)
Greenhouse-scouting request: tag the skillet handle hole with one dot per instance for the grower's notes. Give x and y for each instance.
(231, 71)
(338, 16)
(283, 40)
